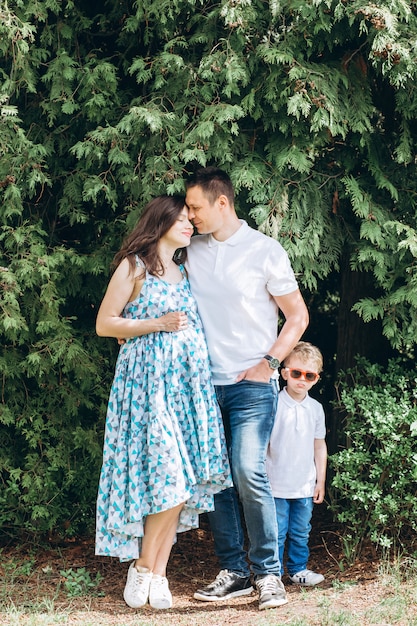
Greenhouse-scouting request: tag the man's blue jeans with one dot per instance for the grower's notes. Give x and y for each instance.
(294, 516)
(248, 409)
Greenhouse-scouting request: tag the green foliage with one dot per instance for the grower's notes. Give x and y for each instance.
(311, 108)
(79, 582)
(375, 475)
(17, 569)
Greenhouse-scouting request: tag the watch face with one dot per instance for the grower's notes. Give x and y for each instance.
(274, 363)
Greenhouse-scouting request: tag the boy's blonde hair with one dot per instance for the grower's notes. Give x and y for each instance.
(307, 352)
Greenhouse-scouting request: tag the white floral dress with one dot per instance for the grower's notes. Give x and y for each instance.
(164, 441)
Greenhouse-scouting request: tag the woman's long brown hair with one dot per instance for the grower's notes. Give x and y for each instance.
(157, 218)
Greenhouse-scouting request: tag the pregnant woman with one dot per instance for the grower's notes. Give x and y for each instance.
(164, 453)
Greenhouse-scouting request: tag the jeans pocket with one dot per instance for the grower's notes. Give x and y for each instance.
(254, 382)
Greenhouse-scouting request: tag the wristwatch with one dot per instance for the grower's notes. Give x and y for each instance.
(274, 363)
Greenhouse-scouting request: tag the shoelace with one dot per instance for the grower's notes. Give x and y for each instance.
(267, 584)
(220, 579)
(140, 578)
(159, 584)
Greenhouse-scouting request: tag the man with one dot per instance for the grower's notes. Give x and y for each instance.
(241, 279)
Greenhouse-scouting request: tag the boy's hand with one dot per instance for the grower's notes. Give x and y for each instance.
(318, 496)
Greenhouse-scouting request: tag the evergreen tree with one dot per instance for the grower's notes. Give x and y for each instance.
(310, 106)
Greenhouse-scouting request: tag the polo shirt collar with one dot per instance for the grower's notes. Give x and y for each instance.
(234, 239)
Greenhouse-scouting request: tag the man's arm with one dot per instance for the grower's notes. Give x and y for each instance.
(296, 316)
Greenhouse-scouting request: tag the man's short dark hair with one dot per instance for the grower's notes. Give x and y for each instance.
(214, 183)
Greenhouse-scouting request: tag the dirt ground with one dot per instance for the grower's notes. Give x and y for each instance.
(353, 590)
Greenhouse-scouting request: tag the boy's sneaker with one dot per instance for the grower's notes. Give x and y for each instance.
(271, 592)
(307, 578)
(225, 586)
(159, 594)
(137, 586)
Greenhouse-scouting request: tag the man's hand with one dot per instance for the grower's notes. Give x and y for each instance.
(260, 373)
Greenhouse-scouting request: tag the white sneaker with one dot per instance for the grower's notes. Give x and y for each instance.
(307, 578)
(136, 591)
(159, 594)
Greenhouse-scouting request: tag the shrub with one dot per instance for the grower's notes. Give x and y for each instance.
(374, 480)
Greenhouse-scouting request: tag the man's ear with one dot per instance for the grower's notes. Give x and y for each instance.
(223, 201)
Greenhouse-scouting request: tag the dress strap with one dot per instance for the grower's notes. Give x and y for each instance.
(183, 270)
(139, 262)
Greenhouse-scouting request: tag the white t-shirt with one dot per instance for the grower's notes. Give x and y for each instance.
(290, 459)
(233, 282)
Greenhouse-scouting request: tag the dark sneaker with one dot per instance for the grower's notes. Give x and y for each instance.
(271, 592)
(225, 586)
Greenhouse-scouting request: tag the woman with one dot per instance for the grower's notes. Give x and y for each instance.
(164, 453)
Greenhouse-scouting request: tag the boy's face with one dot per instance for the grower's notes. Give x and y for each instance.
(297, 388)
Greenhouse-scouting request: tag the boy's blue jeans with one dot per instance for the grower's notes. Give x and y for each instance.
(248, 409)
(293, 517)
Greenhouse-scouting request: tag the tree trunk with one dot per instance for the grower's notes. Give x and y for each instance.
(354, 336)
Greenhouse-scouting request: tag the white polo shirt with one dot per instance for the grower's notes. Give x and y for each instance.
(233, 282)
(290, 459)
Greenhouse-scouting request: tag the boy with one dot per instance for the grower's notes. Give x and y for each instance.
(297, 458)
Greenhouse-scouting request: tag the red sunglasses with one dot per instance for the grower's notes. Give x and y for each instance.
(310, 377)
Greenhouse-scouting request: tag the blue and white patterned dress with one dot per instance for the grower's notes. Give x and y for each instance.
(164, 442)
